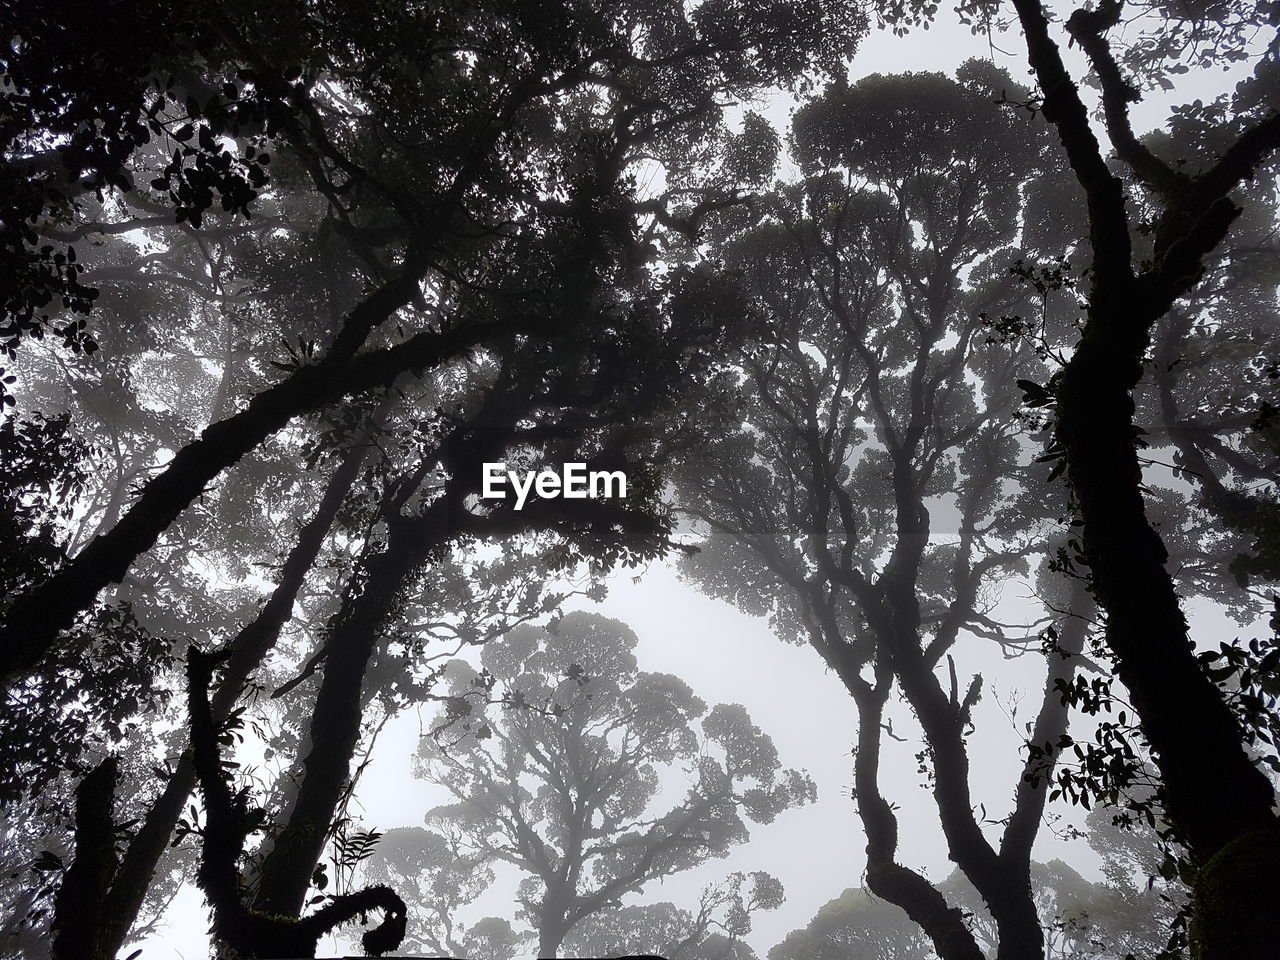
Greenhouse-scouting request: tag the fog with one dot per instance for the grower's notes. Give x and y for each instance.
(905, 605)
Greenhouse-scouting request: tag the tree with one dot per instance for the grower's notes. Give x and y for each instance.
(506, 237)
(872, 401)
(484, 174)
(561, 783)
(1220, 803)
(858, 926)
(424, 865)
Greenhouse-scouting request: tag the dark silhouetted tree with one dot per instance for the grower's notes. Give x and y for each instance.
(1151, 242)
(873, 406)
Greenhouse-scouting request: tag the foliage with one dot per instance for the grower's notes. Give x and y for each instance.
(260, 257)
(44, 474)
(87, 89)
(594, 738)
(858, 926)
(75, 703)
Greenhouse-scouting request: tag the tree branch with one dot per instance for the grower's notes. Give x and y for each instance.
(1087, 28)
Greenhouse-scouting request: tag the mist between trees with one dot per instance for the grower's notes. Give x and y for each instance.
(950, 379)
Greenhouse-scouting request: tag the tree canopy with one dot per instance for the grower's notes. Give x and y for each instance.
(563, 783)
(964, 380)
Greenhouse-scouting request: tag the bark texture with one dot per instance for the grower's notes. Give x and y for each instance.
(78, 910)
(1215, 796)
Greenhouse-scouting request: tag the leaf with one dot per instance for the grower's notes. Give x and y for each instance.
(1034, 395)
(47, 860)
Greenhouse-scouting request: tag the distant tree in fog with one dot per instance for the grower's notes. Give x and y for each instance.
(576, 781)
(857, 925)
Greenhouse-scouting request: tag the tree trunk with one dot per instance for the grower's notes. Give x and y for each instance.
(894, 616)
(1007, 892)
(1219, 803)
(34, 621)
(924, 903)
(1215, 796)
(1215, 793)
(335, 721)
(550, 936)
(1050, 724)
(1233, 909)
(78, 911)
(248, 649)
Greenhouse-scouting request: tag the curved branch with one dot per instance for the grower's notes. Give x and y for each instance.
(1087, 28)
(228, 819)
(383, 938)
(1104, 194)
